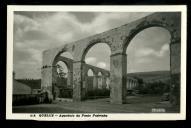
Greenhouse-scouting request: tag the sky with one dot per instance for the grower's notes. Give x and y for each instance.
(38, 31)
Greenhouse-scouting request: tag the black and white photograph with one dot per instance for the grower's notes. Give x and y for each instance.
(96, 62)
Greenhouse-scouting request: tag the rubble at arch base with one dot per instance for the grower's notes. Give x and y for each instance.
(117, 39)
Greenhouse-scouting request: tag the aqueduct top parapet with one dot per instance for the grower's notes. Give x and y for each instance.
(96, 70)
(119, 38)
(86, 67)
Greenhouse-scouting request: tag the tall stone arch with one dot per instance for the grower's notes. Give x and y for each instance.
(69, 64)
(92, 43)
(48, 70)
(79, 64)
(172, 23)
(118, 40)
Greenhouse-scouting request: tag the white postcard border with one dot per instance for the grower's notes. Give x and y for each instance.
(110, 116)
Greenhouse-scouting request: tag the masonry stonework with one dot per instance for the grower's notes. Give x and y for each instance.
(118, 40)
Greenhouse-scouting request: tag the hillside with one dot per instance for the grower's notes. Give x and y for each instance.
(163, 76)
(33, 83)
(152, 76)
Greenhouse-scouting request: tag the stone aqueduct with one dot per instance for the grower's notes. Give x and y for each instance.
(118, 40)
(103, 76)
(96, 70)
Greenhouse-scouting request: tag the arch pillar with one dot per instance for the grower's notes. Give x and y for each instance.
(70, 79)
(100, 80)
(127, 84)
(78, 90)
(95, 81)
(118, 65)
(104, 85)
(175, 56)
(47, 78)
(54, 91)
(133, 84)
(85, 83)
(107, 83)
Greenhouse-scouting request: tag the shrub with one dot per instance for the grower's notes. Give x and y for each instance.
(98, 93)
(66, 93)
(27, 99)
(157, 87)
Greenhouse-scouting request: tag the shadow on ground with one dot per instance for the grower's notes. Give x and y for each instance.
(134, 104)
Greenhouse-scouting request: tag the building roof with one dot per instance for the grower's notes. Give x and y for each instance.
(20, 88)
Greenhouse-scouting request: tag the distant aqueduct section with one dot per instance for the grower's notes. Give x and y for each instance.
(118, 40)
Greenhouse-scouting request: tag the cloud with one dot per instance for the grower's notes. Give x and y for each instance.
(145, 52)
(151, 52)
(25, 23)
(164, 49)
(67, 55)
(104, 21)
(35, 54)
(37, 31)
(101, 64)
(144, 60)
(90, 60)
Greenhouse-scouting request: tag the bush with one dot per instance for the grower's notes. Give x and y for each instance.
(98, 93)
(66, 93)
(154, 88)
(25, 99)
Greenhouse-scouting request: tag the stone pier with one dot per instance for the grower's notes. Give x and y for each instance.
(118, 40)
(118, 78)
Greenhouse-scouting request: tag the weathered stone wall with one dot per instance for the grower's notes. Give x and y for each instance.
(118, 71)
(175, 51)
(118, 40)
(131, 83)
(175, 58)
(69, 64)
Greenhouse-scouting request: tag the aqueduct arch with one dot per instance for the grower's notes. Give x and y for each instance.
(118, 40)
(91, 44)
(69, 65)
(96, 76)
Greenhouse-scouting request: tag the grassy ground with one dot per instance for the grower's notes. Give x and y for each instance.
(135, 104)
